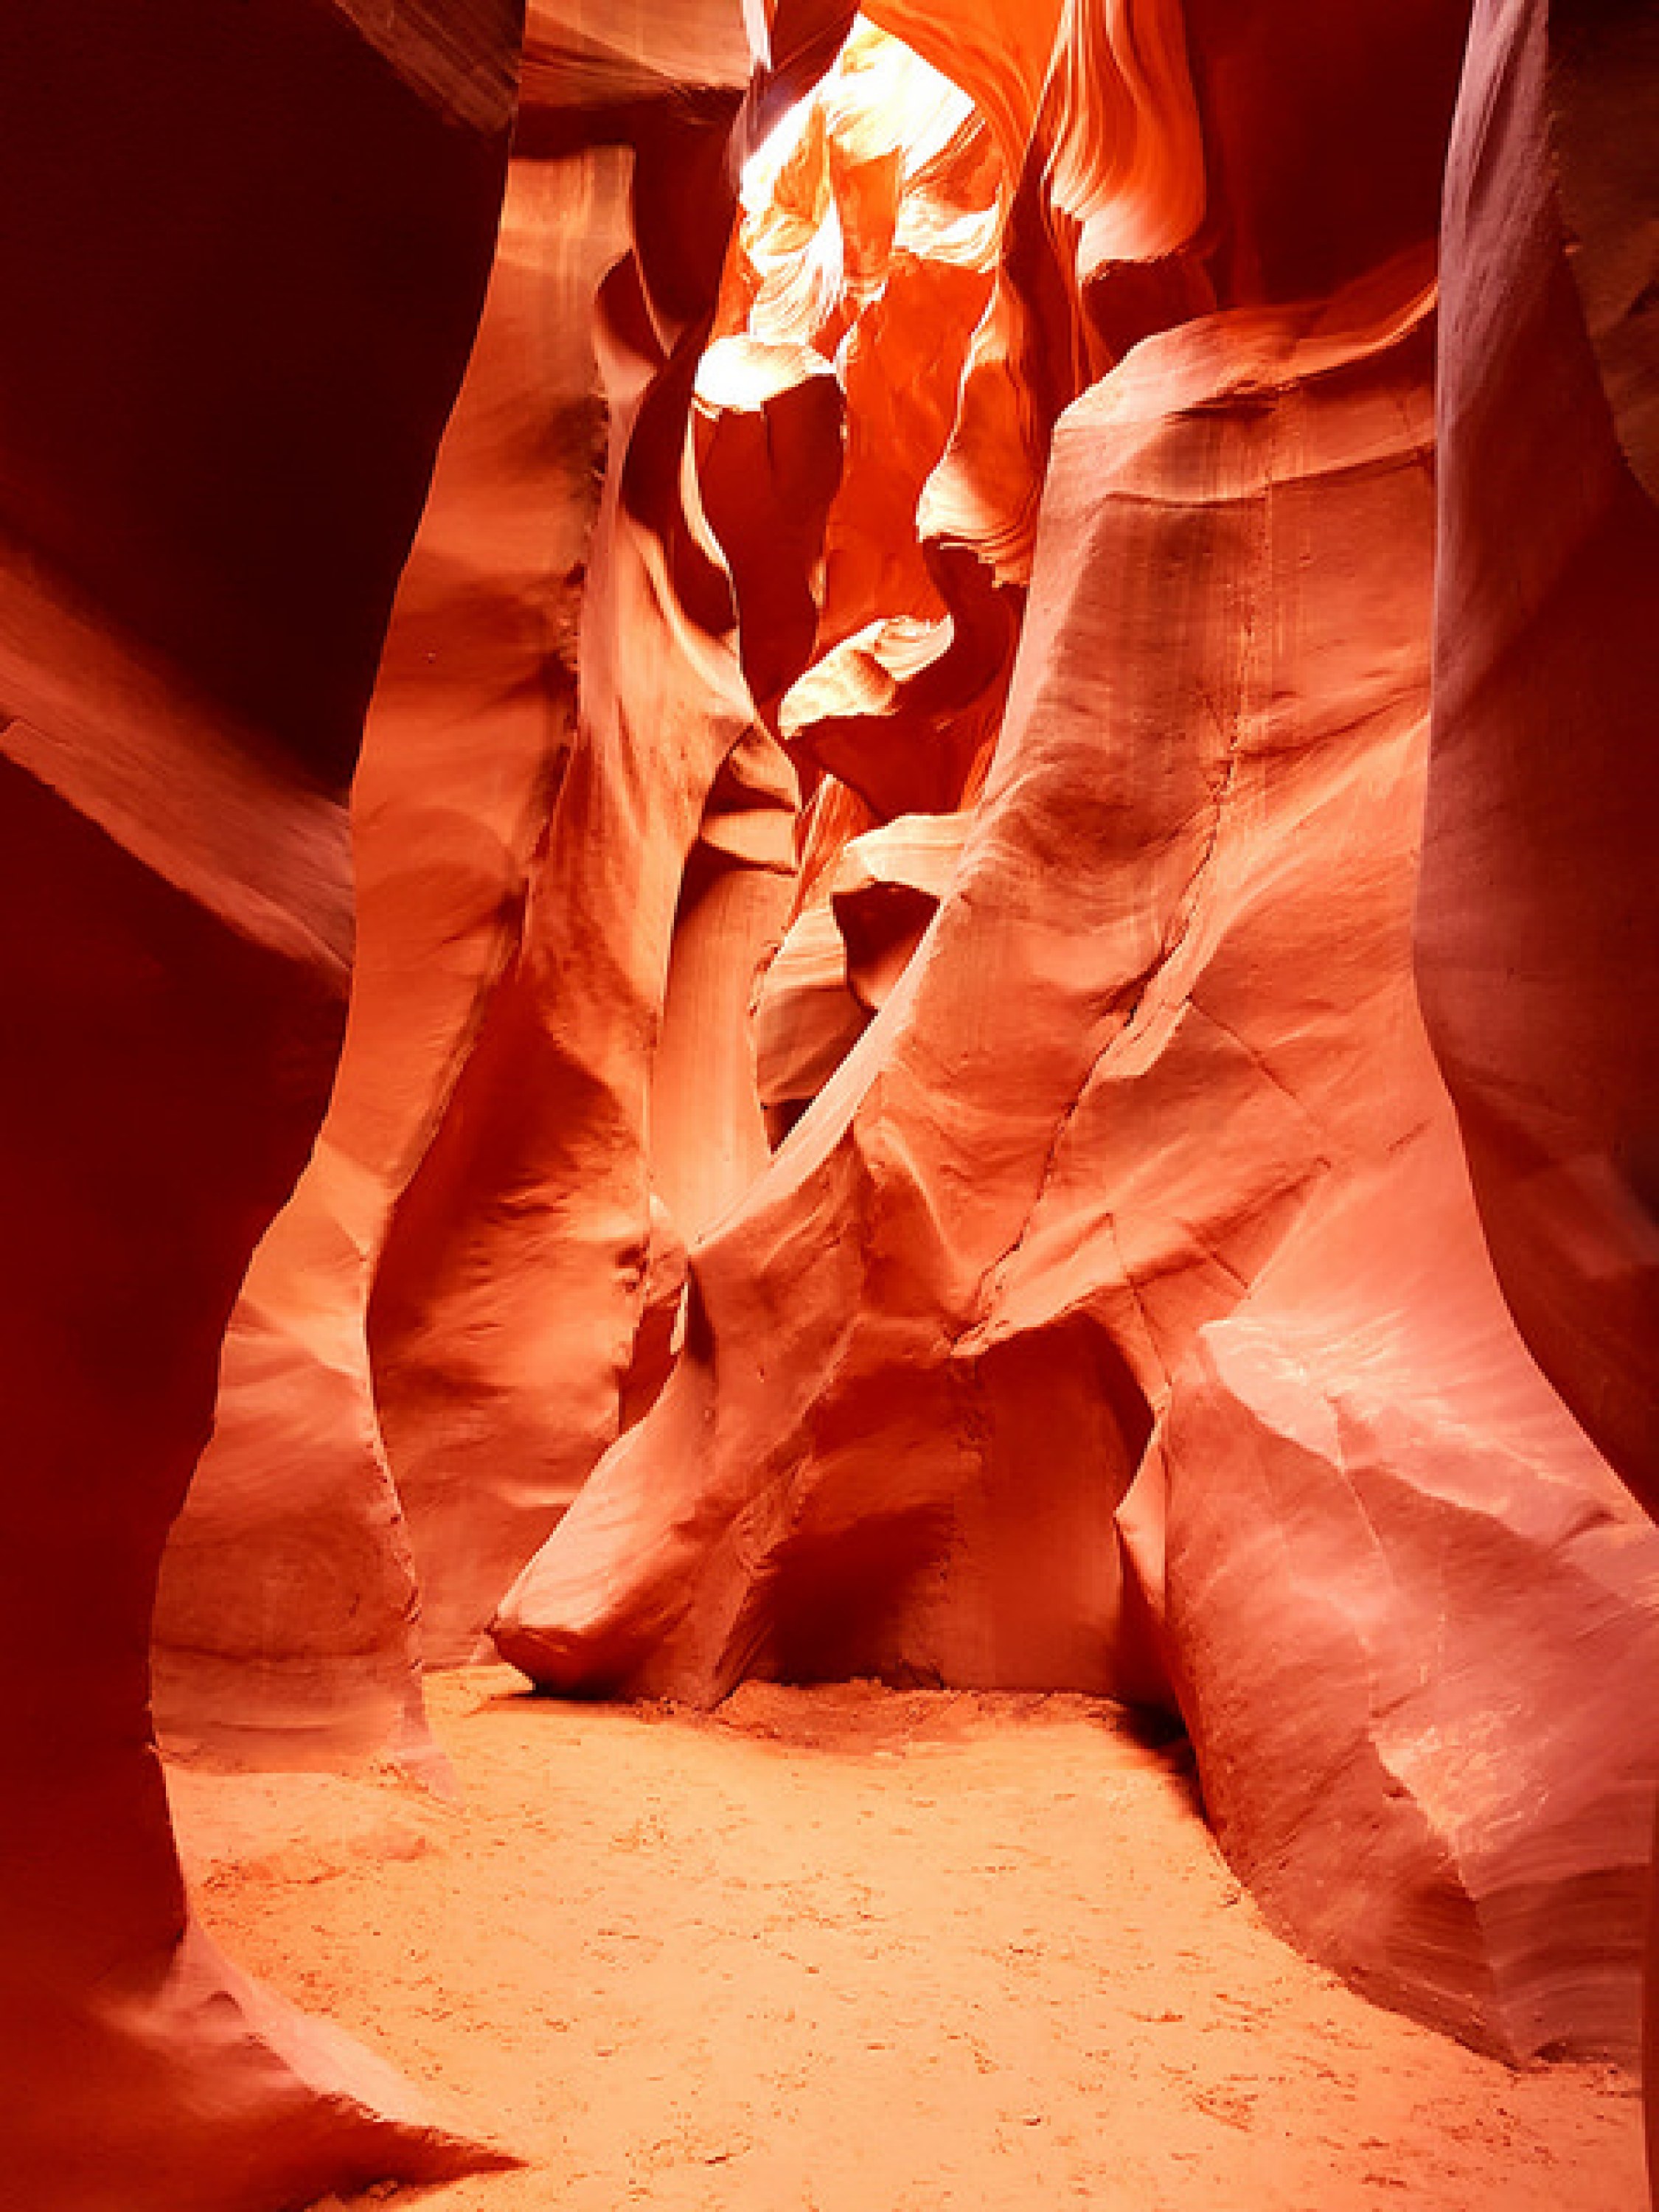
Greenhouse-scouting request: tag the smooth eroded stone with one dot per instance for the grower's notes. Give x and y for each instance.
(246, 268)
(1538, 925)
(1161, 1037)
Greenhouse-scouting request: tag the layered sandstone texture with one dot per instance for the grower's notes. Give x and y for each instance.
(570, 875)
(524, 1295)
(1539, 921)
(885, 1125)
(1116, 1315)
(523, 1299)
(287, 1626)
(448, 1323)
(243, 269)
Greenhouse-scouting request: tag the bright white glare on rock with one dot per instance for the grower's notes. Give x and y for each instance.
(880, 96)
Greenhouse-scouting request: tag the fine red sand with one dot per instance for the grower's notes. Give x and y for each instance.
(857, 1950)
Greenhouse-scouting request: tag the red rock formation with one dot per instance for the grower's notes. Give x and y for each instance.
(352, 1480)
(515, 1293)
(523, 1301)
(874, 234)
(1538, 928)
(237, 313)
(1118, 1316)
(1538, 920)
(287, 1625)
(515, 1160)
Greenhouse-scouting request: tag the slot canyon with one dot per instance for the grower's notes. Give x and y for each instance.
(829, 1104)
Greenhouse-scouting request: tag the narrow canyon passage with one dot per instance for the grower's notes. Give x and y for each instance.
(826, 864)
(858, 1950)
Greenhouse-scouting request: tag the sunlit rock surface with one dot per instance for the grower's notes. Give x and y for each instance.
(517, 1293)
(1119, 1316)
(433, 1348)
(231, 345)
(890, 845)
(287, 1625)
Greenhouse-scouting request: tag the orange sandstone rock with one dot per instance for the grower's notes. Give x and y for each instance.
(362, 1472)
(1117, 1318)
(1538, 927)
(477, 1282)
(287, 1624)
(1538, 920)
(518, 1312)
(237, 313)
(1047, 465)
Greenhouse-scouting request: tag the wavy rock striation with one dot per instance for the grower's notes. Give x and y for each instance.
(515, 1318)
(220, 399)
(1117, 1316)
(1538, 925)
(286, 1623)
(993, 767)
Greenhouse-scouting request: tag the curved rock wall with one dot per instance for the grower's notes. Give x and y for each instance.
(992, 762)
(1538, 929)
(286, 1623)
(231, 345)
(1118, 1315)
(513, 1301)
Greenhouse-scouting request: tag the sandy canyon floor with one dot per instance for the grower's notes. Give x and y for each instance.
(853, 1950)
